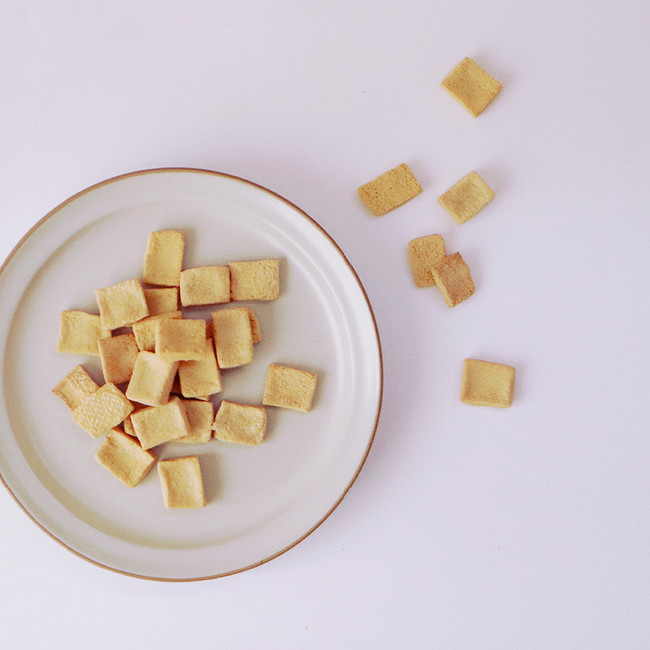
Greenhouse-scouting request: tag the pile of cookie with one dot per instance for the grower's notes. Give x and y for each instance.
(483, 383)
(161, 366)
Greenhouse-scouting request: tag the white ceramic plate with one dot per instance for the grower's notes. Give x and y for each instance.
(261, 500)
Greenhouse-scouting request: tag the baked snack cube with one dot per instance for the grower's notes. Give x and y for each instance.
(472, 86)
(163, 258)
(423, 253)
(102, 410)
(180, 339)
(486, 383)
(390, 190)
(152, 379)
(466, 198)
(233, 337)
(255, 280)
(256, 330)
(145, 329)
(123, 457)
(118, 355)
(205, 285)
(156, 425)
(181, 482)
(75, 387)
(240, 423)
(121, 304)
(79, 332)
(200, 416)
(161, 300)
(290, 388)
(200, 377)
(453, 278)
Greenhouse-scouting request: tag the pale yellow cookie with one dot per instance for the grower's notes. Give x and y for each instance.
(121, 304)
(145, 330)
(124, 458)
(102, 410)
(118, 355)
(163, 258)
(75, 387)
(472, 86)
(390, 190)
(453, 278)
(205, 285)
(423, 253)
(156, 425)
(466, 198)
(486, 383)
(181, 482)
(152, 379)
(233, 337)
(180, 339)
(79, 332)
(289, 388)
(240, 423)
(256, 280)
(200, 416)
(161, 300)
(200, 377)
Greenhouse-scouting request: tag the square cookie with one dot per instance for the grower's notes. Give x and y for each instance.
(389, 190)
(453, 278)
(163, 258)
(79, 332)
(152, 378)
(102, 410)
(240, 423)
(256, 280)
(118, 355)
(289, 388)
(205, 285)
(200, 377)
(486, 383)
(180, 339)
(156, 425)
(121, 304)
(200, 416)
(145, 329)
(233, 337)
(123, 457)
(423, 253)
(466, 198)
(472, 86)
(181, 482)
(161, 300)
(75, 387)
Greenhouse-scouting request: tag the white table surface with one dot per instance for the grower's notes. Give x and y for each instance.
(468, 527)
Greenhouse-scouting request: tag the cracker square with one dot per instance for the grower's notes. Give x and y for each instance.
(205, 285)
(156, 425)
(79, 332)
(200, 416)
(124, 458)
(75, 387)
(118, 354)
(180, 339)
(145, 329)
(161, 300)
(486, 383)
(256, 280)
(181, 482)
(102, 410)
(289, 388)
(152, 379)
(472, 86)
(453, 278)
(233, 337)
(200, 377)
(240, 423)
(423, 253)
(121, 304)
(163, 258)
(390, 190)
(466, 198)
